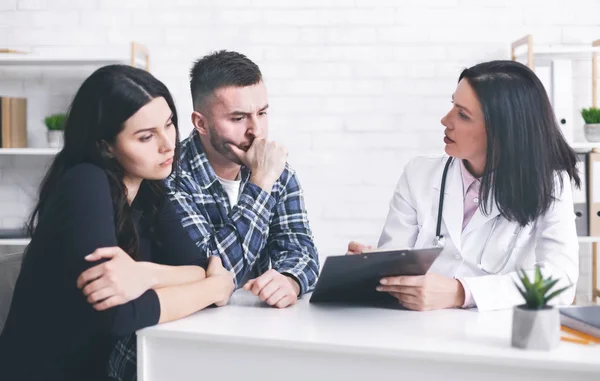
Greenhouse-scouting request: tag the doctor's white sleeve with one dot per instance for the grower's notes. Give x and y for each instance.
(401, 226)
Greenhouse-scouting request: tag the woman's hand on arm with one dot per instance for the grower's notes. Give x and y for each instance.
(424, 292)
(117, 281)
(121, 279)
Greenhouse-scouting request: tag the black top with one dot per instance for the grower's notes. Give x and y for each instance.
(52, 332)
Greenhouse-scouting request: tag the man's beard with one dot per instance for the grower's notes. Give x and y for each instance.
(222, 145)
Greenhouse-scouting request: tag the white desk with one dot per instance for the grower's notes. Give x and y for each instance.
(248, 341)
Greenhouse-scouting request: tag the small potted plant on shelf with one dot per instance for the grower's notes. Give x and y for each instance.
(56, 125)
(536, 325)
(591, 129)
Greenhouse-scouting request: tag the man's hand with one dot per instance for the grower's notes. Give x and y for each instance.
(266, 160)
(216, 270)
(358, 248)
(114, 282)
(274, 288)
(424, 292)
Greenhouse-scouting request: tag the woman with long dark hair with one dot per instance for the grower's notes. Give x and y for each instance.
(500, 201)
(108, 255)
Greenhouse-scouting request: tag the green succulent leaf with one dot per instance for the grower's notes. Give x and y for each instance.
(556, 293)
(55, 122)
(538, 277)
(535, 290)
(548, 284)
(591, 115)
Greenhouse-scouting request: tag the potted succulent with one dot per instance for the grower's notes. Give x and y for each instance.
(56, 125)
(591, 129)
(536, 325)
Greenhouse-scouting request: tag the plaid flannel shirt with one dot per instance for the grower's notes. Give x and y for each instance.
(262, 231)
(122, 363)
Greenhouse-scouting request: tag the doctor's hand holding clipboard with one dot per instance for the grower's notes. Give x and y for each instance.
(500, 200)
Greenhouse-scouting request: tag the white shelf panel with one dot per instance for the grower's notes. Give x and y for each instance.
(588, 239)
(558, 51)
(12, 59)
(14, 241)
(29, 151)
(585, 146)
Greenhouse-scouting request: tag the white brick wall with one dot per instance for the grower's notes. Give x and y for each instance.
(357, 87)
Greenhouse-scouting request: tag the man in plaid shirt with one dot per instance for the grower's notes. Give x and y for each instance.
(236, 196)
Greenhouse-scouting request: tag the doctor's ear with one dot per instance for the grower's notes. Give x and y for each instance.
(200, 123)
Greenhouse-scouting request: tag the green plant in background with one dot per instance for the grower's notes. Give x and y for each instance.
(537, 293)
(591, 115)
(55, 122)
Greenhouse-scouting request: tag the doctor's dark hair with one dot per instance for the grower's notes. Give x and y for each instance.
(105, 100)
(526, 150)
(221, 69)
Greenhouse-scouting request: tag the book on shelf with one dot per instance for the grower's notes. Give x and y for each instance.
(585, 319)
(13, 122)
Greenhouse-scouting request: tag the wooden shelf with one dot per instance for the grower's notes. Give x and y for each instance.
(29, 151)
(14, 241)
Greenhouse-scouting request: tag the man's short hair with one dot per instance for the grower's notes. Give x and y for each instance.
(221, 69)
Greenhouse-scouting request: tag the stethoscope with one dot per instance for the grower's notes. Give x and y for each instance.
(440, 240)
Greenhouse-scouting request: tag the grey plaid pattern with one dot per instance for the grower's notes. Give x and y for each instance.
(122, 364)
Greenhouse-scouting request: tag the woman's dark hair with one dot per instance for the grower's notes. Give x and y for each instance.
(526, 150)
(105, 100)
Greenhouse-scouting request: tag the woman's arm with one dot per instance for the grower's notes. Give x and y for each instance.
(166, 276)
(180, 301)
(111, 285)
(178, 259)
(80, 212)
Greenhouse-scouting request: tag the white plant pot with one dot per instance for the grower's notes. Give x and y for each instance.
(535, 329)
(592, 132)
(55, 138)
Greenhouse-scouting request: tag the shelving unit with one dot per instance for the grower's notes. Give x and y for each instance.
(137, 56)
(524, 47)
(553, 65)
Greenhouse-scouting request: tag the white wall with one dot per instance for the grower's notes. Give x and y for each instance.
(357, 87)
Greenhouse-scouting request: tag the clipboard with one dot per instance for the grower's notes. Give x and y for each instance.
(351, 279)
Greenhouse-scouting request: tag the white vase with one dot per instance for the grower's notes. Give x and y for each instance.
(55, 138)
(535, 329)
(592, 132)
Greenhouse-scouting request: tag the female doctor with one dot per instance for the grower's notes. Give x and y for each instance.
(501, 200)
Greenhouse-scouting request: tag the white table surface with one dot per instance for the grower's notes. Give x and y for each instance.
(251, 340)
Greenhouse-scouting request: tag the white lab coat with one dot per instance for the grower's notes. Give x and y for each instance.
(551, 241)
